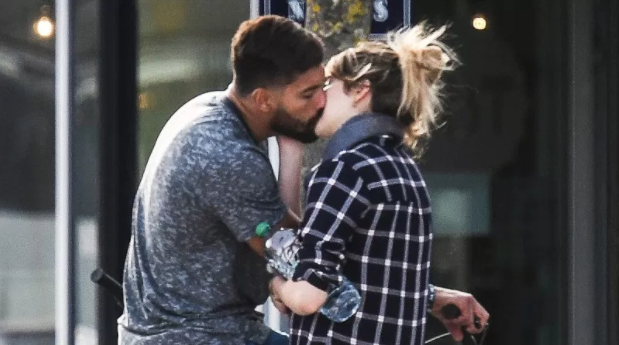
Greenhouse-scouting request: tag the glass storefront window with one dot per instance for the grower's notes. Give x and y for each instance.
(27, 170)
(184, 50)
(496, 169)
(87, 165)
(26, 173)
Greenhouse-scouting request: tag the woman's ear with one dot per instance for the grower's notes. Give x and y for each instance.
(362, 93)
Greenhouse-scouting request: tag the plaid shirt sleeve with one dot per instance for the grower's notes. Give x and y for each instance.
(335, 203)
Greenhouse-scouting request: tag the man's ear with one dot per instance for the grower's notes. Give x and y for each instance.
(263, 99)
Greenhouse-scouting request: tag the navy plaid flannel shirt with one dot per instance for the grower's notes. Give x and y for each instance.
(368, 218)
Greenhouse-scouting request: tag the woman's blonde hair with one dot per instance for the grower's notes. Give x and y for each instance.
(404, 73)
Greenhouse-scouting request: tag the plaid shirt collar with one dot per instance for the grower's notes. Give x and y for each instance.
(356, 130)
(360, 128)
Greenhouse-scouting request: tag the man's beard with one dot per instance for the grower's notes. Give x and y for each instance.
(283, 123)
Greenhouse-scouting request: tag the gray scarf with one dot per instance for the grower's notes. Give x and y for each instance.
(358, 129)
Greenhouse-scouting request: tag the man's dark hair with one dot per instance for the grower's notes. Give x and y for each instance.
(272, 51)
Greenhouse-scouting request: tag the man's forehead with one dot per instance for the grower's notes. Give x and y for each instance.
(308, 79)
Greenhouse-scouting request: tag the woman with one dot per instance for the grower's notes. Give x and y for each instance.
(368, 212)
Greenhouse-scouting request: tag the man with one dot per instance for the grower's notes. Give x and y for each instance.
(194, 271)
(191, 276)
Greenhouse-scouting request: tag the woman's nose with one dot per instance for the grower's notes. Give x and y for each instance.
(321, 99)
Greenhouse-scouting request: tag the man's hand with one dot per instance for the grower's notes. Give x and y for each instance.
(274, 289)
(469, 308)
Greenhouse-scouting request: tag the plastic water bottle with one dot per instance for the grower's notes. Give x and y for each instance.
(281, 250)
(342, 302)
(282, 258)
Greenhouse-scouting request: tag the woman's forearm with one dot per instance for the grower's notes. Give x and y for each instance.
(301, 297)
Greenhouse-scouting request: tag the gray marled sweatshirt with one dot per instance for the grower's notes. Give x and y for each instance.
(189, 277)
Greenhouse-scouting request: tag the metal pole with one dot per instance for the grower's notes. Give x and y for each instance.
(271, 314)
(65, 226)
(581, 196)
(254, 8)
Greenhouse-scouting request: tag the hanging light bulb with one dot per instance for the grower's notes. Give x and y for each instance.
(44, 26)
(479, 22)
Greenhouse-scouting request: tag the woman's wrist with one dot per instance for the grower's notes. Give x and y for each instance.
(275, 287)
(431, 296)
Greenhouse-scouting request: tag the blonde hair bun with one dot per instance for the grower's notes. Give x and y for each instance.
(433, 60)
(423, 58)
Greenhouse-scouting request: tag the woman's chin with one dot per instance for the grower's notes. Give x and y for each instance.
(319, 129)
(322, 131)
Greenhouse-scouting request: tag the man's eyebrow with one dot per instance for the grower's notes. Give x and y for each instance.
(312, 88)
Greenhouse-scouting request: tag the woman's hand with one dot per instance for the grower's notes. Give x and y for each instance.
(469, 309)
(274, 288)
(300, 297)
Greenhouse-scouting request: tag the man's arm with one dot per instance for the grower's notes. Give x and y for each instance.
(290, 220)
(240, 189)
(289, 181)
